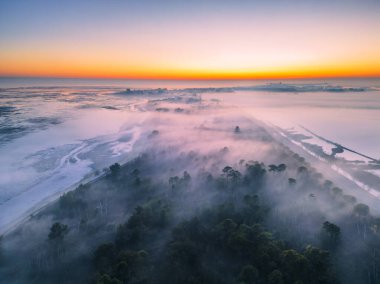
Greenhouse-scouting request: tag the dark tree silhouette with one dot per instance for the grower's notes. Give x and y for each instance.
(115, 169)
(361, 210)
(58, 231)
(330, 235)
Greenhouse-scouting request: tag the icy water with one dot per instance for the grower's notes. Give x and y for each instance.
(56, 133)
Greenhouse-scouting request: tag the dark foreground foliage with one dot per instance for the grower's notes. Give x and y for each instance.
(246, 223)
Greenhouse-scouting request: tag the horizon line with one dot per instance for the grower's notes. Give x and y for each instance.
(192, 78)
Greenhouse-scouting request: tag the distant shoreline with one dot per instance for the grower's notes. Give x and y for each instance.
(10, 81)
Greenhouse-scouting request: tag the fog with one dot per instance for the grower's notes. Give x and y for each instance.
(174, 148)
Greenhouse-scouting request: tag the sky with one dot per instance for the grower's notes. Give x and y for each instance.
(234, 39)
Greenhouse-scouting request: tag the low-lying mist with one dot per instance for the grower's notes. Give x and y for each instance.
(208, 195)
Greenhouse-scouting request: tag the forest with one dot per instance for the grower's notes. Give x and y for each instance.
(171, 216)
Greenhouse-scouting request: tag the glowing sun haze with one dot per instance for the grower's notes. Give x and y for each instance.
(190, 39)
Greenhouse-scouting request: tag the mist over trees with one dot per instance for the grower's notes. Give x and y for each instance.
(223, 210)
(233, 224)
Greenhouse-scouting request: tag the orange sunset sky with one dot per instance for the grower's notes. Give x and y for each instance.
(190, 39)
